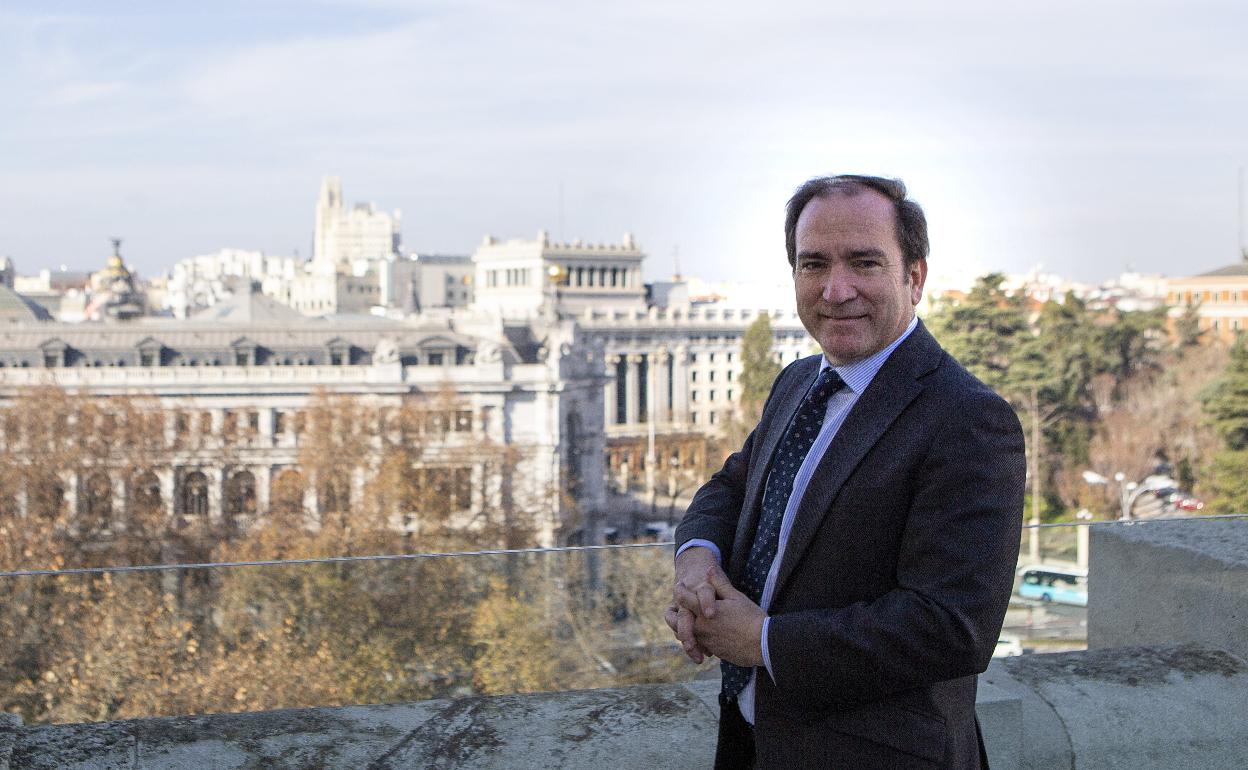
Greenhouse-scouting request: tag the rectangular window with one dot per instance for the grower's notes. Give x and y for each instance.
(693, 396)
(147, 358)
(711, 375)
(279, 422)
(435, 359)
(711, 397)
(463, 420)
(240, 359)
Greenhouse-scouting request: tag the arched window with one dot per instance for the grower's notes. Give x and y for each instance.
(96, 504)
(195, 495)
(46, 498)
(145, 502)
(240, 497)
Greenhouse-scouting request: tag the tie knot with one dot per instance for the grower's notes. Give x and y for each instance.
(828, 383)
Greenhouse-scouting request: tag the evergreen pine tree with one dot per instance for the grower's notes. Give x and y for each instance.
(1226, 405)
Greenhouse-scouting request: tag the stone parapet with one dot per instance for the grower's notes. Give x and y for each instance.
(1131, 708)
(1127, 708)
(1170, 582)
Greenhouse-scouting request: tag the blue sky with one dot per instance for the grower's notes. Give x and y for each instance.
(1082, 136)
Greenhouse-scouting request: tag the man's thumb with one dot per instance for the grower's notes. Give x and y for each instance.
(720, 582)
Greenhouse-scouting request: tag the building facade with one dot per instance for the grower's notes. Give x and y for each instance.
(1218, 299)
(253, 366)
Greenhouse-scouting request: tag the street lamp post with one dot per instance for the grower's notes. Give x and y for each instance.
(1128, 493)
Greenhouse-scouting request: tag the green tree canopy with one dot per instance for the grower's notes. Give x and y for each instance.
(984, 331)
(1226, 403)
(759, 367)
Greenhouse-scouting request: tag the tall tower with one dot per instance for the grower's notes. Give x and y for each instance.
(328, 212)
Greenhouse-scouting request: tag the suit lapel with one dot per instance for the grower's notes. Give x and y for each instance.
(890, 392)
(788, 402)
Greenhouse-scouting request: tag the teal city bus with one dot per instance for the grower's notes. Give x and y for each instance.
(1049, 583)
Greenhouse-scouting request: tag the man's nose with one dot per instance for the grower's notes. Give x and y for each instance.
(838, 288)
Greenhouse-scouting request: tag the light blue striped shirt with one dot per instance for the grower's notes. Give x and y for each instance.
(857, 377)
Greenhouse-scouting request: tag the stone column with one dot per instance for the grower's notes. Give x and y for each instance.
(216, 493)
(267, 417)
(218, 429)
(168, 490)
(609, 392)
(658, 372)
(69, 501)
(632, 394)
(680, 385)
(358, 482)
(264, 480)
(121, 516)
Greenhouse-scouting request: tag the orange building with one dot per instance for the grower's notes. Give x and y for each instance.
(1220, 298)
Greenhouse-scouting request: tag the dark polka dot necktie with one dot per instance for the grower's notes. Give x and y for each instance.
(790, 454)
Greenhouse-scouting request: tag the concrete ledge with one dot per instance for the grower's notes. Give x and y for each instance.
(1170, 582)
(1129, 708)
(632, 728)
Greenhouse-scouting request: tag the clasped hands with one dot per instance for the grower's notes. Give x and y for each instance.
(711, 617)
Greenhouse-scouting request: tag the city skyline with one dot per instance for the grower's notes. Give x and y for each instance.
(1084, 139)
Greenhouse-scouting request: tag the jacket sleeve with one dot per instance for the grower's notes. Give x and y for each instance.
(954, 574)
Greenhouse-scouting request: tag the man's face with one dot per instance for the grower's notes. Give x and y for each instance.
(854, 293)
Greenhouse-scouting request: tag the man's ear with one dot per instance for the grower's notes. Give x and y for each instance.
(917, 273)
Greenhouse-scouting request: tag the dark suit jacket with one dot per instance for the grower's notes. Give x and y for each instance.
(897, 572)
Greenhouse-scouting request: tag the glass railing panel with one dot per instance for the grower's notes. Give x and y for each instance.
(87, 647)
(248, 636)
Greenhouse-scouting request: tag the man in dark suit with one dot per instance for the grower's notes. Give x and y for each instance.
(851, 565)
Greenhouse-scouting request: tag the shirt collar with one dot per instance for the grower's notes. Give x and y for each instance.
(859, 374)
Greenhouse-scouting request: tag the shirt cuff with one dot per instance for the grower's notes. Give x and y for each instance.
(703, 543)
(766, 652)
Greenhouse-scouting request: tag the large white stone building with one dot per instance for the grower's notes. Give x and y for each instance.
(557, 348)
(343, 236)
(523, 389)
(671, 363)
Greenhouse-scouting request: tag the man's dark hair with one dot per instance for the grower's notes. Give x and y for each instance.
(910, 223)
